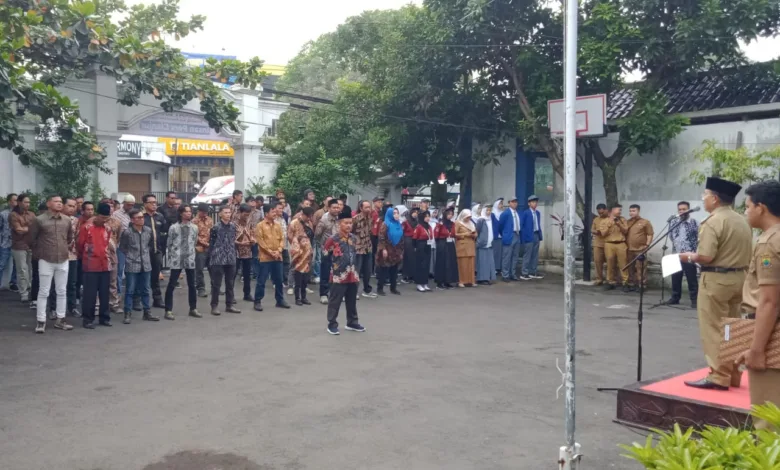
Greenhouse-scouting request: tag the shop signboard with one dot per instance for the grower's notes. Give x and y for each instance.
(128, 149)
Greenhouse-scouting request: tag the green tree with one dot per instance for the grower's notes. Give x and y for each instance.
(46, 43)
(741, 165)
(324, 175)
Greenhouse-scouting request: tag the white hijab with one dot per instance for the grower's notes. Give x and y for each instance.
(496, 210)
(401, 211)
(489, 225)
(462, 217)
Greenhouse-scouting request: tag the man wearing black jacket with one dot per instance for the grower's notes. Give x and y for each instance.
(156, 222)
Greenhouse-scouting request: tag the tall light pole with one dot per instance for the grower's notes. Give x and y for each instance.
(569, 455)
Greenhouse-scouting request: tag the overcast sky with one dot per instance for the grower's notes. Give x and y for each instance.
(276, 30)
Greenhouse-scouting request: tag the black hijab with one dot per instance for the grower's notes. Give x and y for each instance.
(412, 219)
(444, 220)
(421, 220)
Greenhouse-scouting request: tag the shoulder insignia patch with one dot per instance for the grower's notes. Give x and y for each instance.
(766, 261)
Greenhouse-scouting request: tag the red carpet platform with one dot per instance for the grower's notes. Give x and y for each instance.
(660, 403)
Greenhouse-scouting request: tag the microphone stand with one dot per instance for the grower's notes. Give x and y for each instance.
(640, 313)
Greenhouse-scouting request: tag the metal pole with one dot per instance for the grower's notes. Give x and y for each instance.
(569, 454)
(587, 249)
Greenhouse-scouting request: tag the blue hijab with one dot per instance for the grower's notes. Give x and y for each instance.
(394, 230)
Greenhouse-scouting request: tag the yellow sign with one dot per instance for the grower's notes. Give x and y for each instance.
(196, 148)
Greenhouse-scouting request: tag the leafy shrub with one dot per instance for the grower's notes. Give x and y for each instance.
(714, 448)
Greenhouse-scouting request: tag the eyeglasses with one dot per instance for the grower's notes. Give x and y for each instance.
(138, 217)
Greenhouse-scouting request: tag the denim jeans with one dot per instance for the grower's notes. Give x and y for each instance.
(120, 272)
(255, 262)
(137, 284)
(315, 266)
(275, 270)
(5, 261)
(531, 256)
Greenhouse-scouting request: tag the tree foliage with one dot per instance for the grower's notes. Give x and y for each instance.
(324, 175)
(46, 42)
(741, 165)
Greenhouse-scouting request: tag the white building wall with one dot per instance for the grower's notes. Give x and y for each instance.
(493, 181)
(654, 181)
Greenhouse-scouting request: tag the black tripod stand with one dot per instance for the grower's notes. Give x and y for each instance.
(641, 258)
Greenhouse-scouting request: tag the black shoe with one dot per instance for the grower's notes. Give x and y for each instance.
(249, 298)
(380, 292)
(672, 302)
(305, 302)
(149, 317)
(75, 313)
(158, 303)
(202, 293)
(258, 307)
(334, 330)
(89, 325)
(298, 302)
(609, 287)
(356, 327)
(283, 304)
(127, 320)
(105, 323)
(705, 384)
(13, 288)
(694, 305)
(395, 292)
(627, 289)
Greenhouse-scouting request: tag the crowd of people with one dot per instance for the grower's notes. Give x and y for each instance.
(75, 257)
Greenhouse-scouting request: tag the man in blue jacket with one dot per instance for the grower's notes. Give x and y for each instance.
(509, 226)
(531, 235)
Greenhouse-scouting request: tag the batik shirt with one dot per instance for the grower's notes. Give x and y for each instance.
(362, 230)
(222, 244)
(343, 253)
(685, 237)
(5, 230)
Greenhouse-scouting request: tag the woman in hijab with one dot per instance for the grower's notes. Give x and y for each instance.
(446, 272)
(423, 241)
(389, 251)
(476, 213)
(465, 248)
(409, 225)
(498, 208)
(486, 267)
(434, 222)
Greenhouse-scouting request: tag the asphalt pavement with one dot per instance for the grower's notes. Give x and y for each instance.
(464, 379)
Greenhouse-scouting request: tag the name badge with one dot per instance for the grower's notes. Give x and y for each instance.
(450, 240)
(430, 242)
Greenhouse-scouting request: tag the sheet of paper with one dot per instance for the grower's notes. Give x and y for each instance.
(670, 264)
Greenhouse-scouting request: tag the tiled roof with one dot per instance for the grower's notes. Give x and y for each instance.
(707, 91)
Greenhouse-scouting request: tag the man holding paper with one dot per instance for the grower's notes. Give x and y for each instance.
(725, 243)
(761, 292)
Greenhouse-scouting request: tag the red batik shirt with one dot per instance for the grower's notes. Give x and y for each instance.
(343, 254)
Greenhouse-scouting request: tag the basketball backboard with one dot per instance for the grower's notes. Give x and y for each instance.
(591, 116)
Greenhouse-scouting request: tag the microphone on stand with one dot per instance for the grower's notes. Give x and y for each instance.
(689, 211)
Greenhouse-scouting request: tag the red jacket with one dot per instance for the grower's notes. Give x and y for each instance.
(421, 234)
(92, 247)
(408, 230)
(441, 232)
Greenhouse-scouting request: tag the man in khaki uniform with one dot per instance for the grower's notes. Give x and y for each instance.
(725, 245)
(761, 292)
(640, 234)
(598, 242)
(614, 231)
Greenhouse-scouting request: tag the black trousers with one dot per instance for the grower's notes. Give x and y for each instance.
(325, 265)
(200, 264)
(387, 274)
(73, 275)
(347, 293)
(245, 265)
(374, 244)
(95, 284)
(301, 282)
(192, 293)
(689, 270)
(79, 278)
(156, 259)
(218, 272)
(364, 266)
(285, 265)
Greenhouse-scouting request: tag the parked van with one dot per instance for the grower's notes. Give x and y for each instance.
(216, 190)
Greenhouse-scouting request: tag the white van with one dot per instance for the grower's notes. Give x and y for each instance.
(216, 190)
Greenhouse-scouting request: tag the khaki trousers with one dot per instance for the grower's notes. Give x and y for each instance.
(598, 260)
(616, 259)
(635, 271)
(720, 295)
(764, 387)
